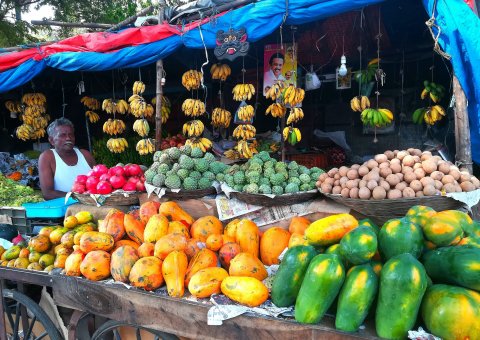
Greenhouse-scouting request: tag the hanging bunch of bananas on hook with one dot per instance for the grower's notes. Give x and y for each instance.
(376, 117)
(221, 118)
(114, 126)
(293, 96)
(220, 71)
(277, 110)
(139, 107)
(276, 90)
(359, 103)
(13, 106)
(166, 108)
(243, 92)
(138, 87)
(191, 80)
(433, 91)
(145, 146)
(295, 115)
(193, 128)
(292, 135)
(202, 143)
(429, 115)
(244, 132)
(193, 107)
(117, 145)
(90, 103)
(141, 127)
(246, 149)
(92, 116)
(34, 117)
(246, 113)
(112, 106)
(35, 98)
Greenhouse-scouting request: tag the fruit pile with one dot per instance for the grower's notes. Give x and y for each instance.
(34, 117)
(13, 194)
(177, 140)
(433, 113)
(102, 180)
(265, 175)
(397, 174)
(184, 168)
(91, 104)
(427, 264)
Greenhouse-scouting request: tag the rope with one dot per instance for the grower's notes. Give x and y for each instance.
(430, 25)
(205, 63)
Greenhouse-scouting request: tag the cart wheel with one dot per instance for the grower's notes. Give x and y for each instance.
(109, 330)
(24, 316)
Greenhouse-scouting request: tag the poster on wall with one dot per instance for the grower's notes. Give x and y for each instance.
(279, 65)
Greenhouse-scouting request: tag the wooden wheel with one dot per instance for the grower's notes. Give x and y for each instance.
(120, 330)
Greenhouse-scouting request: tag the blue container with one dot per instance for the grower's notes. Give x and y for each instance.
(49, 209)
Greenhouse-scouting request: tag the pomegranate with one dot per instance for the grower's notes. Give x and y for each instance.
(134, 170)
(81, 179)
(91, 183)
(104, 177)
(117, 181)
(78, 188)
(118, 171)
(129, 186)
(140, 186)
(104, 188)
(133, 179)
(100, 169)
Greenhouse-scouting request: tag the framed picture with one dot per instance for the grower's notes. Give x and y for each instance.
(279, 65)
(344, 82)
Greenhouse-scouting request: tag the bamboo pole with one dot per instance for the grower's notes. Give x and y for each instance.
(70, 24)
(463, 144)
(159, 87)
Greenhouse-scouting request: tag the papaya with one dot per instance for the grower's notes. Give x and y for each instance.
(359, 245)
(176, 227)
(34, 266)
(272, 244)
(24, 253)
(56, 235)
(68, 239)
(247, 236)
(40, 243)
(147, 210)
(46, 230)
(59, 261)
(12, 253)
(214, 242)
(174, 269)
(34, 256)
(227, 253)
(84, 217)
(134, 228)
(124, 242)
(247, 291)
(70, 222)
(169, 243)
(113, 224)
(173, 211)
(290, 274)
(72, 263)
(122, 261)
(298, 225)
(296, 240)
(96, 265)
(366, 222)
(203, 259)
(146, 249)
(90, 226)
(146, 273)
(21, 263)
(231, 229)
(356, 297)
(206, 282)
(156, 228)
(443, 228)
(399, 236)
(246, 264)
(46, 260)
(321, 284)
(470, 241)
(206, 226)
(452, 312)
(192, 248)
(455, 265)
(96, 240)
(330, 230)
(403, 282)
(419, 214)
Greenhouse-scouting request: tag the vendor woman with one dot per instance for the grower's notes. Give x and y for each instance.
(58, 167)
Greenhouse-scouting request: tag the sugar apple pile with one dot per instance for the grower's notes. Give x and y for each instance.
(184, 168)
(265, 175)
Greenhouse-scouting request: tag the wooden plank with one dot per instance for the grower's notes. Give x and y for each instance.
(26, 276)
(182, 317)
(462, 128)
(70, 24)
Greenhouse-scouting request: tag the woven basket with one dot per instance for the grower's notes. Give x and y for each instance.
(396, 207)
(285, 199)
(116, 198)
(183, 195)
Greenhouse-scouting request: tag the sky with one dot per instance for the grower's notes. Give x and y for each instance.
(43, 12)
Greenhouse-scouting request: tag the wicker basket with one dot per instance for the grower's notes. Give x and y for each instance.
(113, 199)
(396, 207)
(285, 199)
(183, 195)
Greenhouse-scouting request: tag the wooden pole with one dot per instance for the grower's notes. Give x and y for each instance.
(70, 24)
(159, 92)
(463, 145)
(282, 143)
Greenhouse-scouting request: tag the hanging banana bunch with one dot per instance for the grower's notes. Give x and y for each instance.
(36, 98)
(276, 90)
(246, 113)
(193, 128)
(112, 106)
(114, 126)
(117, 145)
(220, 71)
(90, 103)
(243, 92)
(277, 110)
(292, 135)
(359, 103)
(138, 87)
(34, 116)
(145, 146)
(13, 106)
(192, 80)
(245, 149)
(193, 107)
(433, 90)
(166, 108)
(24, 132)
(296, 114)
(376, 117)
(293, 96)
(202, 143)
(141, 127)
(221, 118)
(244, 132)
(429, 115)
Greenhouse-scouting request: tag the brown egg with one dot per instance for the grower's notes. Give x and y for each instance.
(345, 193)
(392, 180)
(337, 176)
(465, 176)
(416, 185)
(323, 177)
(400, 176)
(343, 181)
(455, 173)
(417, 166)
(330, 181)
(408, 192)
(364, 193)
(332, 172)
(350, 184)
(379, 193)
(336, 190)
(363, 170)
(417, 159)
(384, 165)
(362, 184)
(354, 193)
(467, 186)
(394, 194)
(336, 183)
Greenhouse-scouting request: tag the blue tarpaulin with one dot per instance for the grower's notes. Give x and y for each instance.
(460, 38)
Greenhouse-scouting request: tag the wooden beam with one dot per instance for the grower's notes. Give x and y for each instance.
(159, 86)
(70, 24)
(131, 19)
(202, 13)
(463, 145)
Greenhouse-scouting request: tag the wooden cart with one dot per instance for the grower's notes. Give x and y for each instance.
(163, 315)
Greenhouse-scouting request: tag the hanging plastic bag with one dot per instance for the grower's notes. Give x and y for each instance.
(312, 82)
